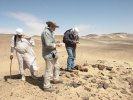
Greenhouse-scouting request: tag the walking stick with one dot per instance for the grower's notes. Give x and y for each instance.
(10, 68)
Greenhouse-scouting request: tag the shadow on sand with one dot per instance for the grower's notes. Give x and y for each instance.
(37, 82)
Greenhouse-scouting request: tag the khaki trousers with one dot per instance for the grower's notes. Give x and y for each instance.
(52, 70)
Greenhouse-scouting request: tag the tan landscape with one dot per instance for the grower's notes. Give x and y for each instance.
(108, 74)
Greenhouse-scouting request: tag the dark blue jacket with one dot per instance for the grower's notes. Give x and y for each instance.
(69, 37)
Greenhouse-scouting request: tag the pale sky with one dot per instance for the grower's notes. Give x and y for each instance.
(90, 16)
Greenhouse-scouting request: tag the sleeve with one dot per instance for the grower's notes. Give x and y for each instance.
(32, 42)
(77, 38)
(67, 38)
(12, 46)
(47, 40)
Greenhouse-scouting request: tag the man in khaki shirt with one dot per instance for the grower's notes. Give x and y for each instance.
(50, 56)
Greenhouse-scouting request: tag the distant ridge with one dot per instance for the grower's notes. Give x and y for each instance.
(109, 36)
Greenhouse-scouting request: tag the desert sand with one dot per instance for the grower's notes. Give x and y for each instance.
(108, 75)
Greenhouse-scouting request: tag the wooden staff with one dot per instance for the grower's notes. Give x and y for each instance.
(10, 68)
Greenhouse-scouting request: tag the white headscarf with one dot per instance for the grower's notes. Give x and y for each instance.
(19, 31)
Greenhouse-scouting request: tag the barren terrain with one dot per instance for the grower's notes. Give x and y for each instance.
(108, 75)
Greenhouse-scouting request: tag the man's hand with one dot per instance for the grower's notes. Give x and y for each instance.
(11, 57)
(58, 44)
(76, 42)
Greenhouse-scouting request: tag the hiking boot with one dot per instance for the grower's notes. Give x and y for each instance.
(56, 81)
(49, 89)
(23, 77)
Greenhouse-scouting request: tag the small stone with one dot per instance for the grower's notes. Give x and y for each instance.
(86, 64)
(68, 76)
(93, 95)
(57, 91)
(112, 71)
(105, 85)
(78, 67)
(101, 61)
(85, 98)
(102, 78)
(93, 81)
(88, 76)
(129, 80)
(11, 94)
(123, 91)
(110, 77)
(72, 75)
(87, 89)
(100, 85)
(76, 73)
(116, 88)
(126, 63)
(61, 73)
(109, 68)
(101, 67)
(131, 86)
(84, 69)
(129, 68)
(102, 74)
(75, 85)
(95, 66)
(118, 69)
(131, 90)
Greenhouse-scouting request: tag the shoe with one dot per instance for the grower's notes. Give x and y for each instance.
(49, 89)
(34, 77)
(74, 69)
(69, 70)
(23, 77)
(56, 81)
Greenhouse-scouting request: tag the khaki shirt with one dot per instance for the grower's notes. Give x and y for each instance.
(48, 42)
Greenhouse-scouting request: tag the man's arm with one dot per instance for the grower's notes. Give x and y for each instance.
(46, 38)
(30, 39)
(32, 42)
(78, 39)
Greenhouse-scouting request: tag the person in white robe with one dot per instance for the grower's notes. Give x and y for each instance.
(24, 52)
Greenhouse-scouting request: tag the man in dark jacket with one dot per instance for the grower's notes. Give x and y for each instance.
(71, 39)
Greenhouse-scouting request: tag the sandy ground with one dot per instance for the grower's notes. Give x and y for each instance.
(108, 74)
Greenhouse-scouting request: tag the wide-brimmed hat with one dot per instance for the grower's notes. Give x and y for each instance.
(52, 23)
